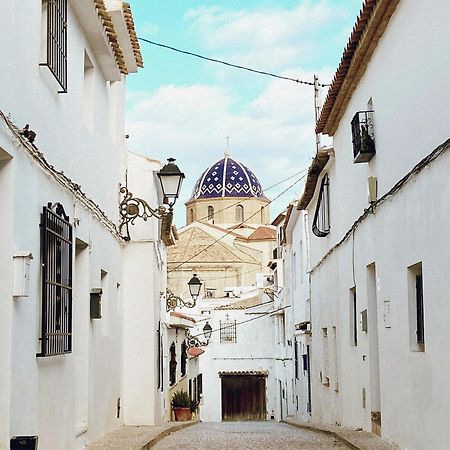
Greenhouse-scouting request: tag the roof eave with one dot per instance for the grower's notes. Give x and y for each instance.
(367, 31)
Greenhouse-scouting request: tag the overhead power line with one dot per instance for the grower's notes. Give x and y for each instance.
(232, 230)
(236, 66)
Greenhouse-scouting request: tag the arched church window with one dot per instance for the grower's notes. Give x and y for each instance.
(210, 213)
(191, 215)
(239, 213)
(262, 214)
(321, 223)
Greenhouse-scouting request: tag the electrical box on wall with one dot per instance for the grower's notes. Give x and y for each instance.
(372, 184)
(96, 303)
(21, 274)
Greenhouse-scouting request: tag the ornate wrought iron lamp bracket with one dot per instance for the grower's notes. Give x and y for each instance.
(131, 208)
(194, 341)
(173, 301)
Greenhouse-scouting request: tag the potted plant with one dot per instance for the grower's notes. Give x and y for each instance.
(181, 406)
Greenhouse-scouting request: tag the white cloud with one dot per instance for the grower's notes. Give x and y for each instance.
(273, 135)
(264, 37)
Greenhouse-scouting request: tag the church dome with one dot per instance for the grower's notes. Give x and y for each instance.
(227, 178)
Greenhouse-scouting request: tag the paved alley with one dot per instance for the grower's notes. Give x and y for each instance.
(247, 435)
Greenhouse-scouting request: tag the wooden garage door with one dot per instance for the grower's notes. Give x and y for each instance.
(243, 397)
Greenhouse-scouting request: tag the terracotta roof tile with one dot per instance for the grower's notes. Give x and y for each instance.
(368, 29)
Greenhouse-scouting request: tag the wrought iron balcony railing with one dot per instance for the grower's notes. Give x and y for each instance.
(363, 136)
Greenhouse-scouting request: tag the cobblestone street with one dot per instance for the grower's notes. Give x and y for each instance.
(247, 435)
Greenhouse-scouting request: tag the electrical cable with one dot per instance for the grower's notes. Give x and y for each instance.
(436, 153)
(263, 314)
(230, 231)
(236, 66)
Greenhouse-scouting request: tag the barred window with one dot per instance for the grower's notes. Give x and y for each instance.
(228, 331)
(55, 22)
(56, 256)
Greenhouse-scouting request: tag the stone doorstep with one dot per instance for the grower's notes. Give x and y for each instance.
(136, 437)
(356, 440)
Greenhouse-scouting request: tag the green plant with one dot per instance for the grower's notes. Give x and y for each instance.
(194, 406)
(180, 399)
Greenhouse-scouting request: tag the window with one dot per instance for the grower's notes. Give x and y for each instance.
(363, 137)
(191, 215)
(55, 23)
(56, 254)
(416, 308)
(172, 365)
(228, 331)
(321, 223)
(239, 213)
(183, 358)
(211, 213)
(296, 357)
(262, 214)
(353, 318)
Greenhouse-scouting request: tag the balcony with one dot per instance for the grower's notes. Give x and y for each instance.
(363, 136)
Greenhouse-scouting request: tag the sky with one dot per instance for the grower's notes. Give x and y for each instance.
(183, 107)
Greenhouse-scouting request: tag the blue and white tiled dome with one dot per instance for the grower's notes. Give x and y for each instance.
(227, 178)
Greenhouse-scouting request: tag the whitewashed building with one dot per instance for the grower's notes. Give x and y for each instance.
(378, 218)
(294, 327)
(79, 305)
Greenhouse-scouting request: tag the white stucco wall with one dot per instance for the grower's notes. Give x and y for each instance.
(253, 351)
(405, 80)
(69, 400)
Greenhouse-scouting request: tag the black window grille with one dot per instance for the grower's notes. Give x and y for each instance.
(184, 358)
(228, 331)
(56, 256)
(56, 36)
(363, 136)
(419, 309)
(321, 223)
(172, 365)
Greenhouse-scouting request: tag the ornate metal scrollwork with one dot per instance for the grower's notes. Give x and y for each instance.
(173, 301)
(194, 341)
(133, 207)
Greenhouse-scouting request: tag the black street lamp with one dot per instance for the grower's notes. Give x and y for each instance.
(171, 178)
(194, 287)
(194, 341)
(131, 207)
(207, 332)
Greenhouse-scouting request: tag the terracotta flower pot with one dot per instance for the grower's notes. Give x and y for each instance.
(182, 413)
